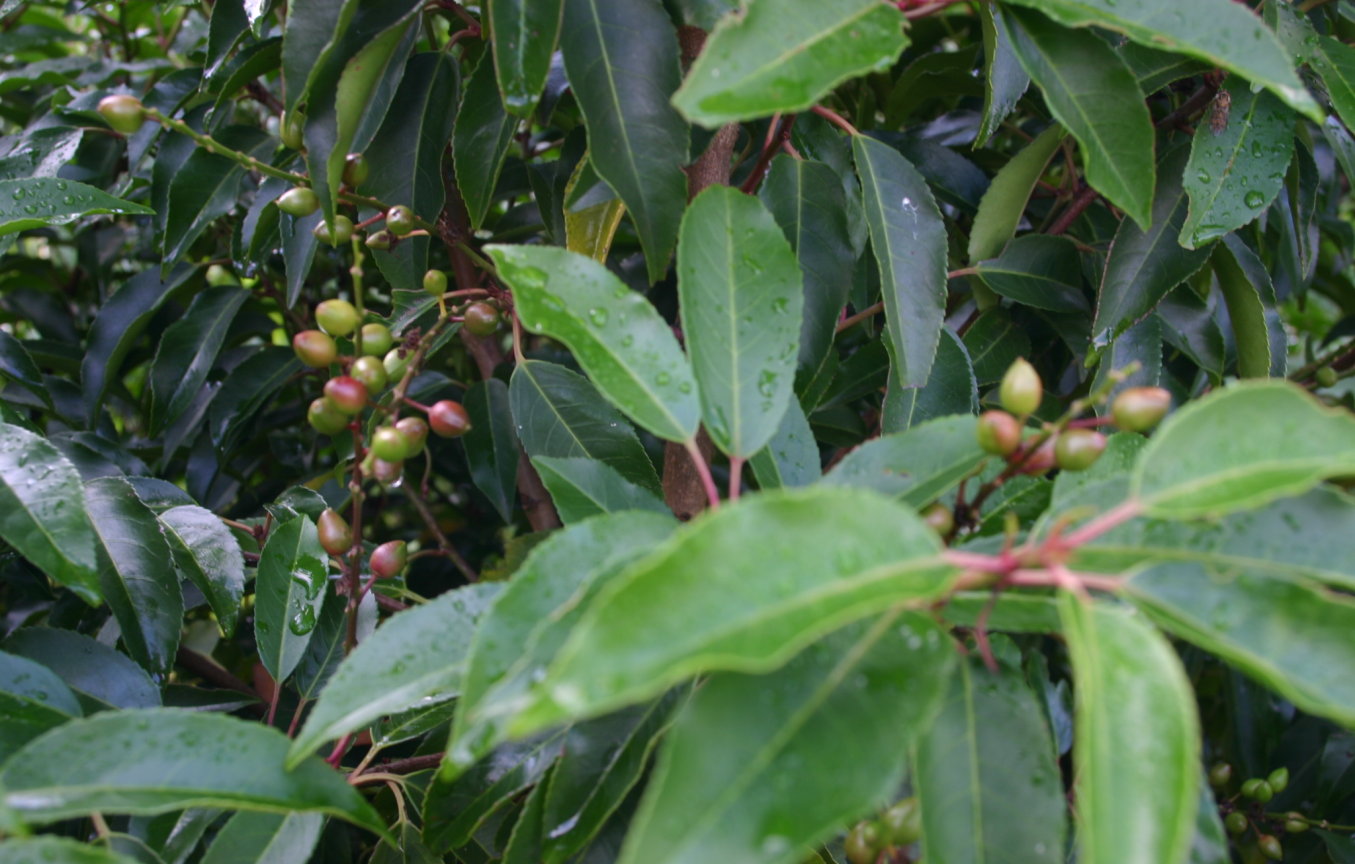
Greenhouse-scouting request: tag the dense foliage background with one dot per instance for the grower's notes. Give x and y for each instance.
(720, 291)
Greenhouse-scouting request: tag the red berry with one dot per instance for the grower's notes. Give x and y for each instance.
(325, 418)
(122, 113)
(998, 432)
(315, 348)
(387, 472)
(448, 419)
(1042, 459)
(389, 559)
(1139, 409)
(348, 395)
(335, 534)
(415, 430)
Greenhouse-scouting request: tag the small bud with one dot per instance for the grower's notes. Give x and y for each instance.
(298, 201)
(1021, 389)
(379, 240)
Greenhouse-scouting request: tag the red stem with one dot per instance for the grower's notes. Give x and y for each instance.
(703, 471)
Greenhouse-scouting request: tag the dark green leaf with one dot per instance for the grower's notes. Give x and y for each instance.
(480, 140)
(993, 341)
(491, 447)
(523, 34)
(205, 188)
(207, 553)
(88, 667)
(266, 838)
(1258, 333)
(47, 849)
(188, 349)
(226, 25)
(950, 389)
(247, 390)
(916, 466)
(1038, 270)
(18, 366)
(791, 458)
(307, 42)
(32, 700)
(1334, 62)
(583, 487)
(1004, 79)
(37, 201)
(293, 577)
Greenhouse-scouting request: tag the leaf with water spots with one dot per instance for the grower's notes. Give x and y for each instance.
(289, 591)
(915, 466)
(208, 554)
(37, 201)
(32, 700)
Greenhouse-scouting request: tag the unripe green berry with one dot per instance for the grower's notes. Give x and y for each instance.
(371, 372)
(122, 112)
(337, 317)
(336, 536)
(218, 275)
(1278, 780)
(481, 319)
(1295, 826)
(1326, 376)
(1258, 790)
(390, 443)
(1235, 822)
(315, 348)
(376, 339)
(389, 559)
(379, 240)
(325, 418)
(1270, 847)
(396, 362)
(903, 822)
(1220, 774)
(348, 395)
(448, 419)
(1139, 409)
(291, 130)
(415, 430)
(1078, 449)
(998, 432)
(863, 843)
(399, 220)
(355, 169)
(340, 233)
(1249, 786)
(298, 201)
(435, 282)
(1021, 389)
(939, 518)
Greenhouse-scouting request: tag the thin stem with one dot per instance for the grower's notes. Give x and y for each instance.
(1070, 214)
(735, 476)
(211, 145)
(703, 471)
(340, 747)
(100, 826)
(1112, 518)
(273, 703)
(296, 718)
(444, 544)
(835, 118)
(875, 309)
(374, 777)
(411, 764)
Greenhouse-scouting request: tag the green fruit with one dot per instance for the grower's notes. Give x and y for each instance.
(399, 220)
(315, 348)
(335, 534)
(390, 443)
(325, 418)
(380, 240)
(337, 317)
(340, 233)
(1139, 409)
(389, 559)
(863, 844)
(1326, 376)
(1220, 774)
(347, 395)
(298, 201)
(1021, 389)
(998, 432)
(415, 430)
(1296, 826)
(396, 362)
(1278, 780)
(481, 319)
(291, 130)
(218, 275)
(122, 113)
(939, 517)
(1270, 847)
(371, 372)
(435, 282)
(1078, 449)
(387, 472)
(903, 822)
(1235, 822)
(1258, 790)
(376, 339)
(448, 419)
(355, 169)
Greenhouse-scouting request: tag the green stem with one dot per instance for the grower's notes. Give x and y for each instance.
(211, 145)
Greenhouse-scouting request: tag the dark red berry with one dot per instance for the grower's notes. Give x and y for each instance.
(448, 419)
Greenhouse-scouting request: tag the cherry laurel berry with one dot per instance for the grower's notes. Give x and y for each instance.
(998, 432)
(337, 317)
(387, 472)
(340, 233)
(448, 419)
(291, 130)
(1235, 822)
(381, 241)
(348, 395)
(1139, 409)
(376, 339)
(335, 534)
(298, 201)
(863, 844)
(903, 821)
(355, 169)
(371, 372)
(389, 559)
(435, 282)
(315, 348)
(1270, 847)
(1021, 389)
(1219, 774)
(415, 430)
(1078, 449)
(481, 319)
(390, 443)
(1278, 780)
(325, 418)
(399, 220)
(122, 113)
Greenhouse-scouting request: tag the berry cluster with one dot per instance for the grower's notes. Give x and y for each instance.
(1244, 811)
(873, 840)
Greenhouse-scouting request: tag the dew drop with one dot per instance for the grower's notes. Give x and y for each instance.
(1254, 199)
(685, 387)
(662, 379)
(598, 316)
(1204, 176)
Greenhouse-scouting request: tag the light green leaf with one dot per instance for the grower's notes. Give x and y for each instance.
(37, 201)
(1334, 62)
(1291, 443)
(188, 349)
(791, 458)
(784, 55)
(90, 668)
(32, 700)
(742, 300)
(289, 590)
(523, 34)
(1136, 745)
(629, 352)
(583, 487)
(47, 849)
(266, 838)
(916, 466)
(1002, 206)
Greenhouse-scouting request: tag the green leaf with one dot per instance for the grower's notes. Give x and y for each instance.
(637, 141)
(523, 34)
(791, 458)
(627, 350)
(1144, 265)
(741, 297)
(708, 600)
(289, 590)
(1004, 79)
(42, 511)
(47, 849)
(161, 759)
(491, 446)
(207, 553)
(1291, 443)
(205, 187)
(416, 657)
(591, 212)
(1288, 634)
(37, 201)
(188, 349)
(266, 838)
(972, 767)
(559, 414)
(1038, 270)
(88, 667)
(136, 573)
(1091, 92)
(480, 140)
(1136, 746)
(1235, 172)
(783, 56)
(1334, 62)
(583, 487)
(758, 768)
(1220, 32)
(245, 392)
(1252, 333)
(18, 366)
(916, 466)
(32, 700)
(909, 239)
(308, 41)
(1011, 613)
(1004, 203)
(950, 389)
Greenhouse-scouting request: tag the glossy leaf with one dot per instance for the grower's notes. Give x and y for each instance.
(1136, 738)
(993, 341)
(207, 553)
(88, 667)
(162, 759)
(32, 700)
(16, 365)
(741, 297)
(1038, 270)
(247, 390)
(1334, 62)
(481, 136)
(418, 657)
(1235, 172)
(37, 201)
(622, 61)
(951, 389)
(736, 782)
(583, 487)
(289, 591)
(780, 55)
(1004, 79)
(205, 187)
(523, 34)
(307, 41)
(915, 466)
(626, 349)
(707, 600)
(266, 838)
(42, 511)
(1004, 203)
(791, 458)
(188, 349)
(491, 446)
(46, 849)
(592, 212)
(1293, 443)
(1094, 96)
(909, 239)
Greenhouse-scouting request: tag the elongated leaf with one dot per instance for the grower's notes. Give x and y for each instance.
(32, 700)
(637, 141)
(266, 838)
(741, 296)
(791, 458)
(37, 201)
(136, 573)
(161, 759)
(491, 446)
(1236, 171)
(971, 767)
(247, 390)
(1144, 265)
(757, 769)
(480, 140)
(1094, 96)
(207, 553)
(289, 590)
(707, 600)
(42, 511)
(1258, 332)
(1334, 62)
(950, 389)
(205, 188)
(523, 34)
(88, 667)
(1004, 79)
(1219, 32)
(582, 487)
(1002, 206)
(18, 366)
(626, 349)
(417, 659)
(1136, 738)
(47, 849)
(915, 466)
(909, 240)
(188, 349)
(559, 414)
(1292, 443)
(591, 214)
(1038, 270)
(780, 55)
(307, 41)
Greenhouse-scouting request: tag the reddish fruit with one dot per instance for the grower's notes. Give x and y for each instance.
(1139, 409)
(415, 430)
(387, 472)
(335, 534)
(315, 348)
(998, 432)
(348, 395)
(337, 317)
(1021, 389)
(371, 372)
(448, 419)
(399, 220)
(390, 444)
(299, 201)
(355, 170)
(291, 130)
(122, 113)
(1078, 449)
(1042, 459)
(389, 559)
(341, 233)
(481, 319)
(435, 282)
(376, 339)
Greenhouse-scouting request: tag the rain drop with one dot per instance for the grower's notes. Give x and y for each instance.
(598, 316)
(1254, 199)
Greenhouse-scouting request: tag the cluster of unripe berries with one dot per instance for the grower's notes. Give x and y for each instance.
(900, 825)
(386, 561)
(1259, 790)
(1136, 409)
